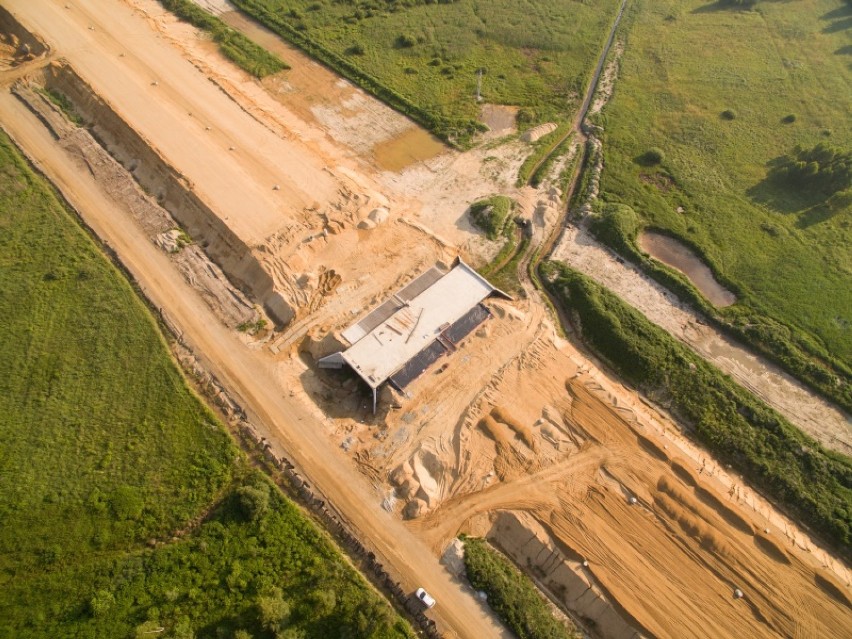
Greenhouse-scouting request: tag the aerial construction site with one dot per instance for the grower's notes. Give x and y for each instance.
(313, 250)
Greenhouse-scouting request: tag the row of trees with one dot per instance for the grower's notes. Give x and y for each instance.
(822, 168)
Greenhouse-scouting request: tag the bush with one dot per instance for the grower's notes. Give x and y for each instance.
(405, 41)
(273, 611)
(491, 214)
(127, 503)
(653, 156)
(253, 502)
(101, 603)
(789, 119)
(729, 114)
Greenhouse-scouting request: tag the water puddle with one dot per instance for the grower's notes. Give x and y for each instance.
(671, 252)
(411, 146)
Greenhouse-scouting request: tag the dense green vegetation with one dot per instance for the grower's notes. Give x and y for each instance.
(821, 170)
(768, 80)
(248, 55)
(511, 594)
(493, 215)
(786, 465)
(618, 225)
(423, 58)
(125, 506)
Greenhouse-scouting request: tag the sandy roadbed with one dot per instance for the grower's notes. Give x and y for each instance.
(517, 437)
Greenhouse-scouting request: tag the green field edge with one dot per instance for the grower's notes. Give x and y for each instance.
(235, 46)
(457, 133)
(794, 471)
(512, 595)
(250, 465)
(797, 353)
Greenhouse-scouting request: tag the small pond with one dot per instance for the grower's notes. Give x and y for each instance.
(677, 255)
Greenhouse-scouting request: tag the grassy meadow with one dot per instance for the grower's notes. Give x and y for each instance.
(125, 506)
(726, 94)
(535, 54)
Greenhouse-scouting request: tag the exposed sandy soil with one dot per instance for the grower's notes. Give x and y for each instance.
(515, 435)
(819, 418)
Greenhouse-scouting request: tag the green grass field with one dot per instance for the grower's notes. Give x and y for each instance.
(535, 54)
(724, 93)
(125, 506)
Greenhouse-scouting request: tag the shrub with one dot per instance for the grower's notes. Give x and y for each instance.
(729, 114)
(101, 603)
(253, 502)
(789, 119)
(491, 214)
(127, 503)
(273, 611)
(653, 156)
(526, 115)
(405, 41)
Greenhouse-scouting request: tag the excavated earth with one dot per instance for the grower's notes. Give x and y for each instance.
(272, 202)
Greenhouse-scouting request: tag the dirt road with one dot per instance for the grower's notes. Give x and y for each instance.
(249, 374)
(565, 446)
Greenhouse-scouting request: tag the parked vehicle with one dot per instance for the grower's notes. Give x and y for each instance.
(425, 597)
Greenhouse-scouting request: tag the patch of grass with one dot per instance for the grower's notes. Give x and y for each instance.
(543, 170)
(535, 54)
(511, 594)
(125, 505)
(506, 277)
(252, 328)
(62, 101)
(248, 55)
(542, 148)
(763, 64)
(492, 215)
(789, 467)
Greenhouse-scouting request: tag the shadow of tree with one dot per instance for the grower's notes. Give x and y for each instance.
(840, 18)
(733, 6)
(723, 5)
(838, 26)
(816, 215)
(780, 193)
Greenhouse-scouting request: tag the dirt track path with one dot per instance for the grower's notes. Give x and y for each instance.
(247, 374)
(250, 377)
